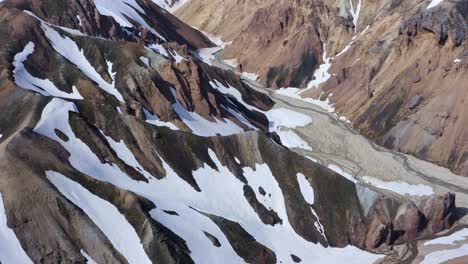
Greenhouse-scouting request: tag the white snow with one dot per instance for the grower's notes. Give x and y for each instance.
(326, 105)
(321, 74)
(355, 12)
(124, 153)
(449, 240)
(221, 194)
(68, 30)
(306, 190)
(155, 120)
(79, 20)
(159, 49)
(201, 126)
(121, 9)
(442, 256)
(89, 260)
(345, 49)
(457, 60)
(207, 54)
(177, 57)
(25, 80)
(170, 7)
(283, 117)
(290, 91)
(234, 92)
(282, 120)
(308, 193)
(237, 114)
(68, 49)
(145, 60)
(341, 172)
(399, 187)
(434, 3)
(109, 220)
(250, 76)
(215, 39)
(292, 140)
(10, 247)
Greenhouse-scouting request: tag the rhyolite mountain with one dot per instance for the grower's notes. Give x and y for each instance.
(396, 69)
(118, 144)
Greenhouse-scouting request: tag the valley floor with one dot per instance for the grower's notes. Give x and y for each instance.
(332, 142)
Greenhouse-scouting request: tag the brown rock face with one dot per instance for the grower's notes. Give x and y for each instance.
(279, 40)
(396, 53)
(390, 225)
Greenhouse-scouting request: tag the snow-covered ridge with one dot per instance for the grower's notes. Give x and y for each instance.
(222, 194)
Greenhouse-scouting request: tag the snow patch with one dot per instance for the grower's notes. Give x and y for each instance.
(341, 172)
(292, 140)
(399, 187)
(177, 57)
(250, 76)
(120, 10)
(434, 3)
(306, 190)
(321, 74)
(442, 256)
(449, 240)
(124, 153)
(89, 260)
(109, 220)
(10, 247)
(355, 12)
(234, 92)
(159, 49)
(145, 60)
(25, 80)
(68, 49)
(68, 30)
(169, 5)
(201, 126)
(79, 20)
(207, 54)
(283, 117)
(155, 120)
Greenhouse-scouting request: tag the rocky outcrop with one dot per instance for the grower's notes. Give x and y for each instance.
(394, 225)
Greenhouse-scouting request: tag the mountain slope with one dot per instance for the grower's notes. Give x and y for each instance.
(120, 145)
(397, 71)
